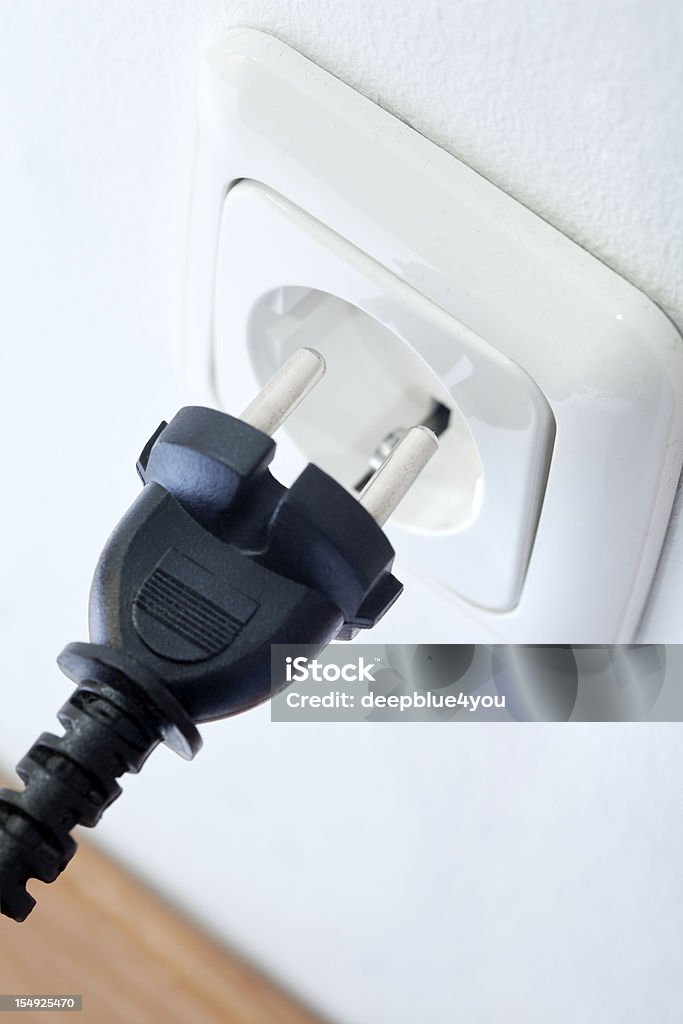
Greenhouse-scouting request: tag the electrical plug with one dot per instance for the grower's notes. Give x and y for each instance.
(214, 562)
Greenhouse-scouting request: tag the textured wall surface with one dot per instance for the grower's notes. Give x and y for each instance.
(403, 873)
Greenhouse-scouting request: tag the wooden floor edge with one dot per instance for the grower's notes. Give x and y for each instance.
(100, 932)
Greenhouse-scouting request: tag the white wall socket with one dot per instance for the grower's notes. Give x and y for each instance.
(319, 219)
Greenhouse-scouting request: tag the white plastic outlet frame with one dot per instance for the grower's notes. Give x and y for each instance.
(318, 218)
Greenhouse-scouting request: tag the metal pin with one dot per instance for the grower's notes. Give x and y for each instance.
(397, 474)
(285, 390)
(437, 420)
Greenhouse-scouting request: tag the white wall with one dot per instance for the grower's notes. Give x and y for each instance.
(391, 875)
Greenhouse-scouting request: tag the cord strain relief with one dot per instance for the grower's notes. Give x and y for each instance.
(69, 780)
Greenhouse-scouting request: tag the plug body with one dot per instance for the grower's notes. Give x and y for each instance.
(214, 562)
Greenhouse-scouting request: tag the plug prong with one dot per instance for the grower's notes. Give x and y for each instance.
(397, 474)
(285, 390)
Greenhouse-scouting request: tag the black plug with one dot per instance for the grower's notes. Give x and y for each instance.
(214, 562)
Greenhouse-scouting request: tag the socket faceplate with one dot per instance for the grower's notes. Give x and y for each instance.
(595, 363)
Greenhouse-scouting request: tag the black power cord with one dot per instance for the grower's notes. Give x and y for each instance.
(214, 562)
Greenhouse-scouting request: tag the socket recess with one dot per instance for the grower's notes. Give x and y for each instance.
(318, 219)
